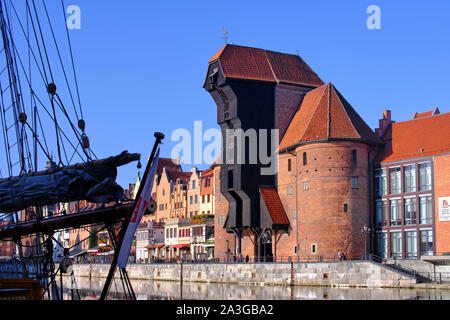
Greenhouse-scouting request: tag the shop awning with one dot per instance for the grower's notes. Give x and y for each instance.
(178, 246)
(155, 246)
(76, 253)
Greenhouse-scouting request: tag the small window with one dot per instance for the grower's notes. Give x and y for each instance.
(289, 165)
(305, 185)
(289, 191)
(355, 184)
(305, 159)
(355, 157)
(294, 214)
(295, 249)
(345, 207)
(230, 179)
(313, 249)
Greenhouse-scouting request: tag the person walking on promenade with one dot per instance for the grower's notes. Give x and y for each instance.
(340, 255)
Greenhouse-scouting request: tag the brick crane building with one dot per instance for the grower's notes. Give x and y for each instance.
(321, 200)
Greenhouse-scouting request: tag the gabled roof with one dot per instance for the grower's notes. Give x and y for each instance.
(274, 206)
(324, 114)
(418, 138)
(175, 174)
(206, 173)
(240, 62)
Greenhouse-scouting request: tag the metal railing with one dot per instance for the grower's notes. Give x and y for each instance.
(421, 277)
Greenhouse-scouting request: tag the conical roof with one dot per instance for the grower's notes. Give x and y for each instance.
(324, 114)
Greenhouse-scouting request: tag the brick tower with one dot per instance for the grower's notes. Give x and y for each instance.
(325, 158)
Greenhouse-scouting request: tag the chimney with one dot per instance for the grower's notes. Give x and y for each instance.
(384, 123)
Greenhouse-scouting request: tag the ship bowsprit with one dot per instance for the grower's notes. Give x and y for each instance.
(93, 182)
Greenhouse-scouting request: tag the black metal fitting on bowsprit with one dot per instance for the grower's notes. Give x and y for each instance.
(51, 88)
(160, 136)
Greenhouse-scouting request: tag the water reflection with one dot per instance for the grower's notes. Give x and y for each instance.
(166, 290)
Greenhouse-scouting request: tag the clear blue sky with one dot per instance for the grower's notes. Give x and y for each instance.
(141, 64)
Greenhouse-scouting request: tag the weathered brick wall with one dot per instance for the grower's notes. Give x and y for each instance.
(287, 100)
(321, 218)
(221, 210)
(442, 189)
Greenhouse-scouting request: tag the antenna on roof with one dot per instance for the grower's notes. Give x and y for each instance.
(298, 53)
(225, 37)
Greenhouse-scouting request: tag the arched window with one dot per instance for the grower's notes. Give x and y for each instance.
(305, 159)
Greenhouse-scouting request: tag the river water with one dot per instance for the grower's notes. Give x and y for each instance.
(90, 289)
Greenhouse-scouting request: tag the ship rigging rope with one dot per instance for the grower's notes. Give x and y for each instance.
(72, 59)
(49, 114)
(43, 41)
(43, 72)
(60, 60)
(71, 247)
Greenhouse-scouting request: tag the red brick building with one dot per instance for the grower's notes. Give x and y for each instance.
(323, 199)
(412, 186)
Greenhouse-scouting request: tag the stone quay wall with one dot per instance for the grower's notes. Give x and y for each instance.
(334, 274)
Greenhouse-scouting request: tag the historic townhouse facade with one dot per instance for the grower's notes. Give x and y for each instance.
(207, 192)
(193, 193)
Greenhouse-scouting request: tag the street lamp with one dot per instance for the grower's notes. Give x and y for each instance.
(194, 242)
(228, 249)
(153, 248)
(365, 230)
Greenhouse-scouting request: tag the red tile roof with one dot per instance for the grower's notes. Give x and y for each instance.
(325, 114)
(425, 114)
(206, 173)
(169, 164)
(274, 205)
(257, 64)
(175, 174)
(418, 138)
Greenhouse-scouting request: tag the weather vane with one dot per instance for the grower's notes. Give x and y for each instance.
(225, 37)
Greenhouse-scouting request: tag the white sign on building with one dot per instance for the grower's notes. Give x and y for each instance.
(444, 209)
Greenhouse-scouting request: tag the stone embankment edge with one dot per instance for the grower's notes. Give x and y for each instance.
(340, 275)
